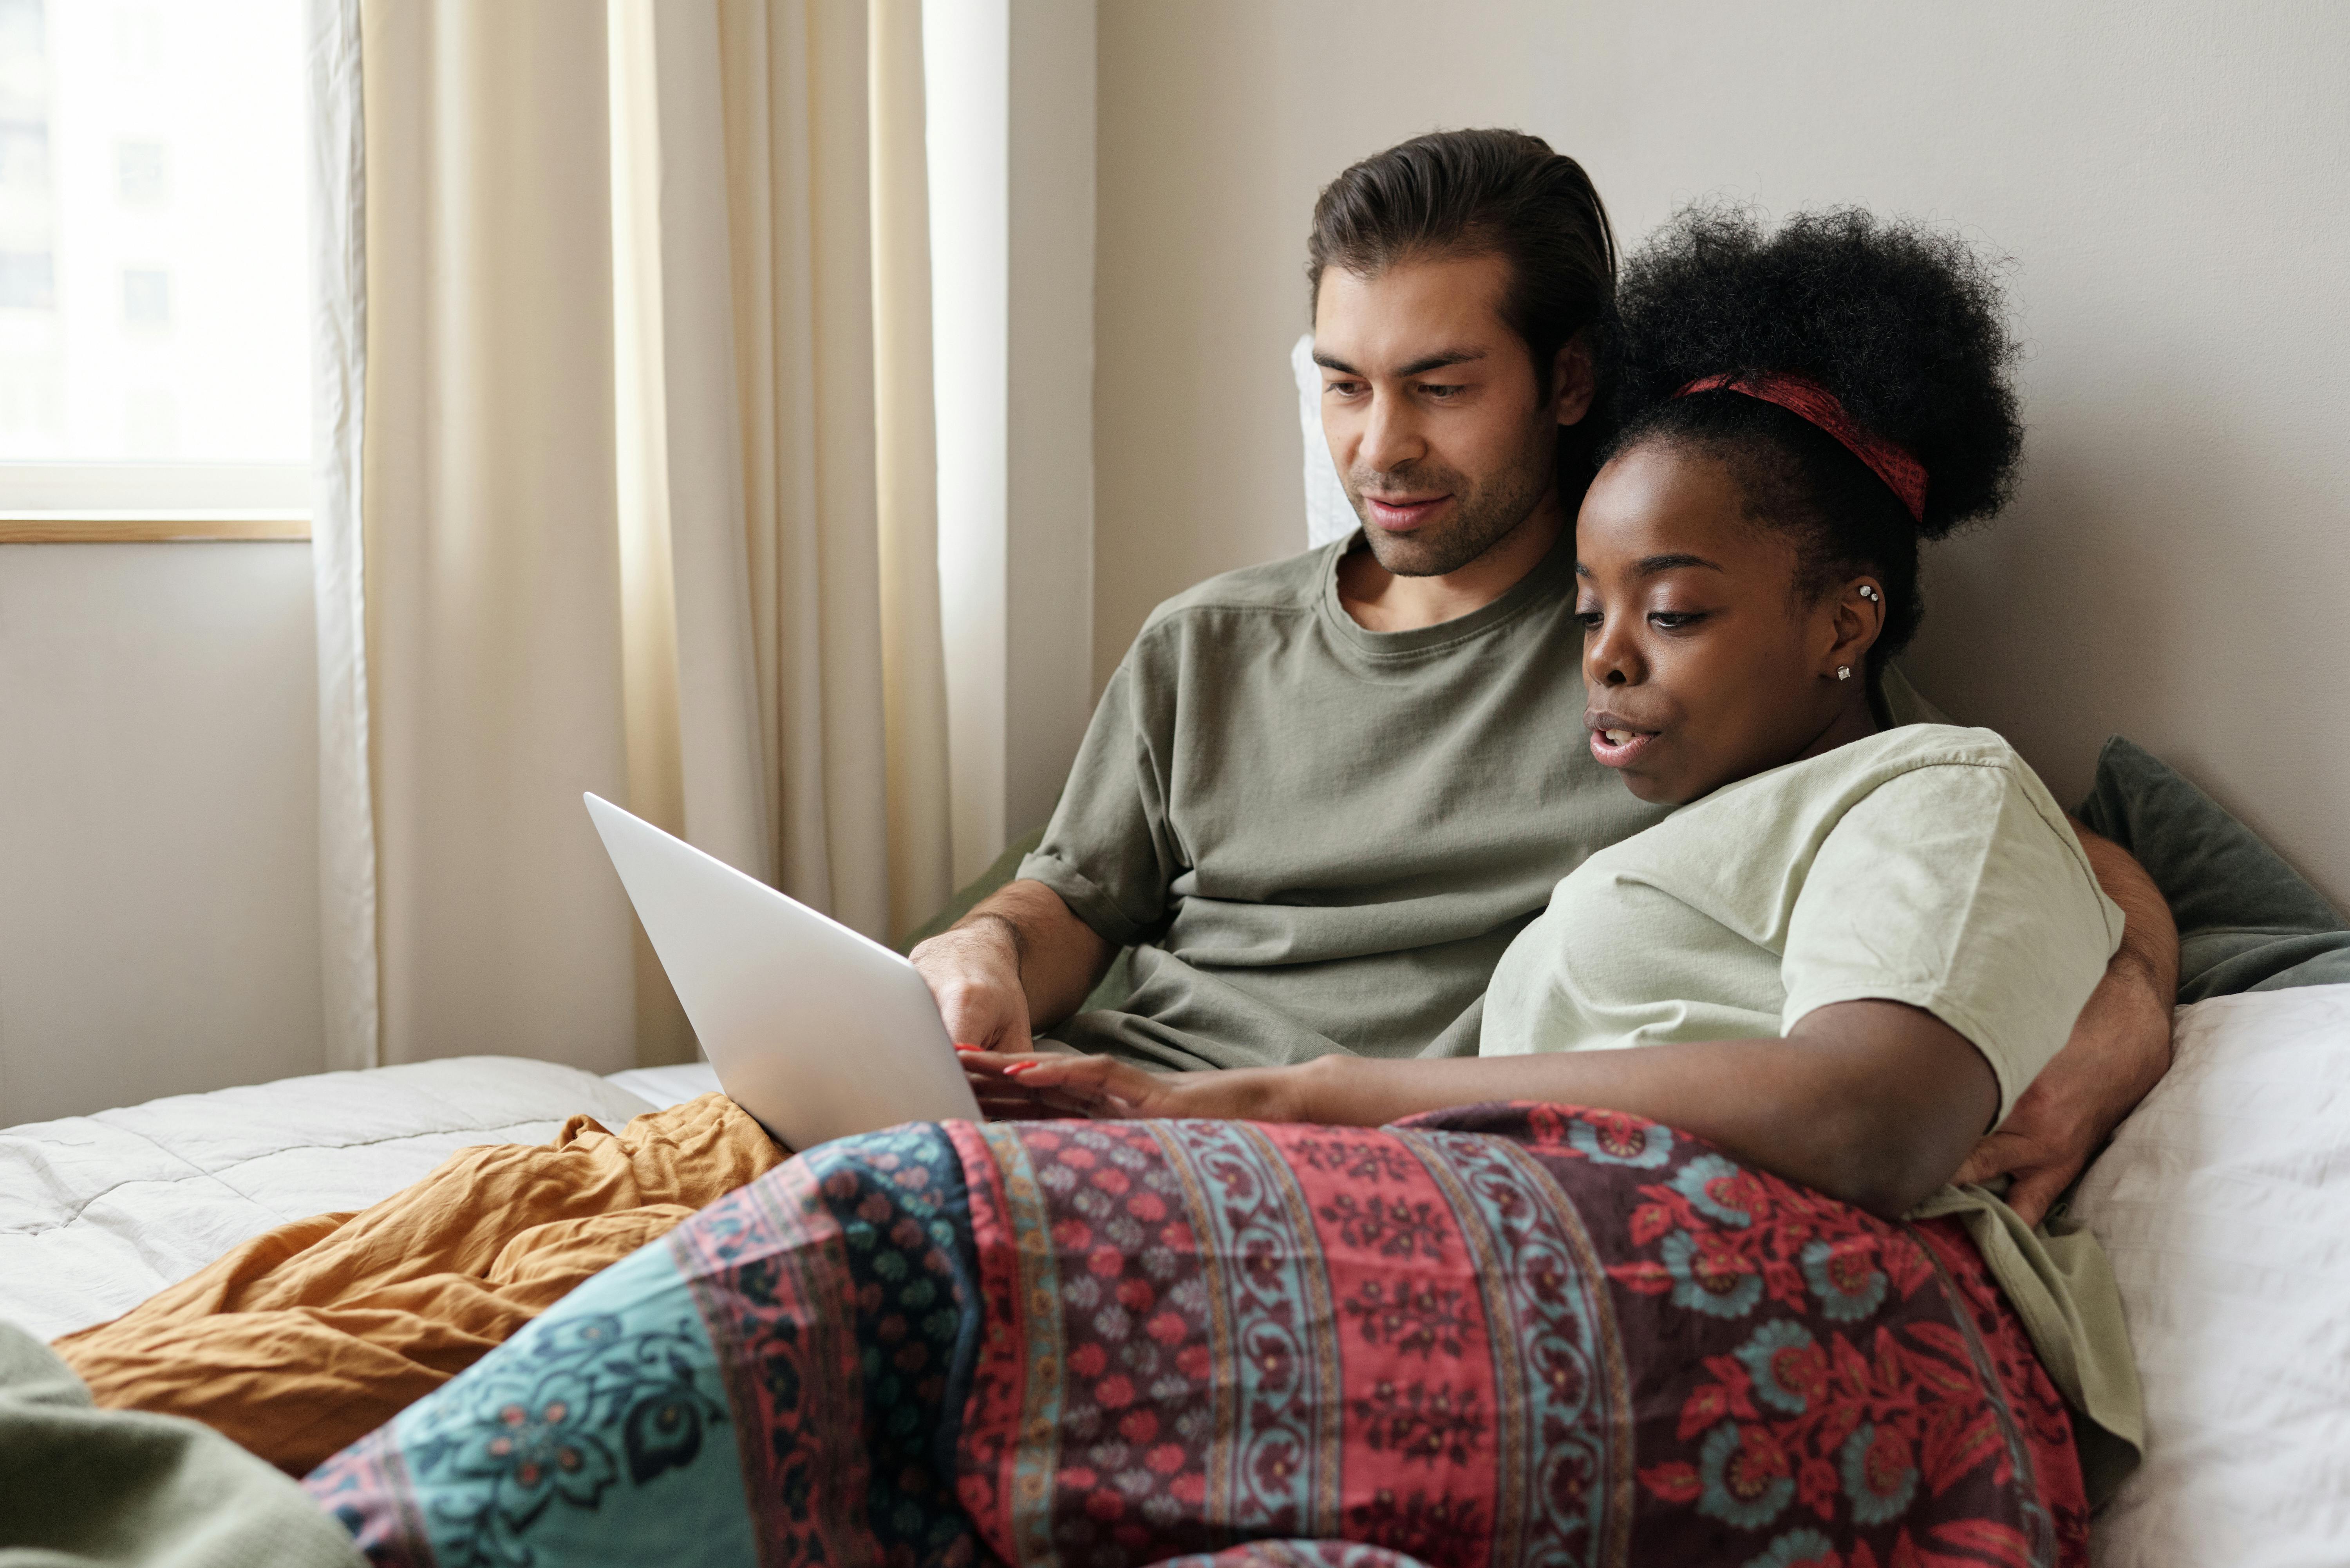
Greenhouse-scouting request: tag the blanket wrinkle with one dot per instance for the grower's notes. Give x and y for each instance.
(317, 1332)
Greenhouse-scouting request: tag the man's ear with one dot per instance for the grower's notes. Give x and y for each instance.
(1574, 380)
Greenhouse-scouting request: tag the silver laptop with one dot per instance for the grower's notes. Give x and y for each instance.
(815, 1031)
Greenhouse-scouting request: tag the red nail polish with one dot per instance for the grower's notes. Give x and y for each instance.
(1018, 1067)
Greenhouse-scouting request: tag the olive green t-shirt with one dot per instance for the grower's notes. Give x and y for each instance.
(1318, 837)
(1926, 864)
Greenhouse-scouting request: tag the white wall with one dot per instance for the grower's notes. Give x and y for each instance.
(158, 882)
(2167, 179)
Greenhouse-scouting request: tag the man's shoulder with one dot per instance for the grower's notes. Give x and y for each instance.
(1289, 586)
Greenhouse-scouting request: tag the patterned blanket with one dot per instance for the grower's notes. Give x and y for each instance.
(1522, 1335)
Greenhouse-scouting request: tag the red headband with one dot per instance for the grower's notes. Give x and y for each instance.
(1807, 400)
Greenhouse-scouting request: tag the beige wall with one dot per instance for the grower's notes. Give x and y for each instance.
(2167, 178)
(158, 822)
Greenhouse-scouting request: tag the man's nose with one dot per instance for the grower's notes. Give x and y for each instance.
(1391, 436)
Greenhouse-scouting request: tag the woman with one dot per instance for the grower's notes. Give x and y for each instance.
(1685, 1325)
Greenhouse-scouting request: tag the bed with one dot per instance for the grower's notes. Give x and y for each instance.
(2224, 1202)
(99, 1212)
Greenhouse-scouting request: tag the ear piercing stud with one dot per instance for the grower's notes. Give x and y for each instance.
(1868, 593)
(1843, 672)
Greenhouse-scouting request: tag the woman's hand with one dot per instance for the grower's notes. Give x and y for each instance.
(1029, 1087)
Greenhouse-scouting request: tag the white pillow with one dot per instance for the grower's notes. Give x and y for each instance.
(1328, 513)
(2224, 1202)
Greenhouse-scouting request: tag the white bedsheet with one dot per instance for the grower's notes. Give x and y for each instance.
(662, 1087)
(98, 1212)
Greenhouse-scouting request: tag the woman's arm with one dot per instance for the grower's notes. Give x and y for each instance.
(1875, 1102)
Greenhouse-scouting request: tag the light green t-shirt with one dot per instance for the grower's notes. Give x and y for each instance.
(1926, 864)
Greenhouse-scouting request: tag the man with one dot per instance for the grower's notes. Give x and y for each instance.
(1319, 797)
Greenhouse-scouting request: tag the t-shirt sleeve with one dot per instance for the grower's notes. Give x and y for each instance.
(1109, 851)
(1956, 888)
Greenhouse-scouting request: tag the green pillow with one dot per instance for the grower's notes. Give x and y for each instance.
(2247, 922)
(1116, 986)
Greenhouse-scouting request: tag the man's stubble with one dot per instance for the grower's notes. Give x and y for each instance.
(1484, 515)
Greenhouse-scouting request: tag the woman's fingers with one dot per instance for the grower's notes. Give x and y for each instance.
(1005, 1094)
(1091, 1085)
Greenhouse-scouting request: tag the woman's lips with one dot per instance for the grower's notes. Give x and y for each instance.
(1402, 516)
(1615, 752)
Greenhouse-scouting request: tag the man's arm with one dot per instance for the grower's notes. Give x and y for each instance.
(2119, 1049)
(1021, 961)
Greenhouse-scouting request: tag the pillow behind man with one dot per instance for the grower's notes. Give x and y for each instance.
(2247, 922)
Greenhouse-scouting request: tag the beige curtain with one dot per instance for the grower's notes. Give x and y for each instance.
(647, 296)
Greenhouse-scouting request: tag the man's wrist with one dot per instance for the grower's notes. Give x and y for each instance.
(1002, 930)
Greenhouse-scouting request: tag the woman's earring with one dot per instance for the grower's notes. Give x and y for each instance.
(1868, 593)
(1843, 672)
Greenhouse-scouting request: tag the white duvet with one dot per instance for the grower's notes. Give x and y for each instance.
(99, 1212)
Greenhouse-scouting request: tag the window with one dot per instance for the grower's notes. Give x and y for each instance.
(154, 353)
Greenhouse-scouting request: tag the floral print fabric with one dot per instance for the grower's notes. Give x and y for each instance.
(1505, 1336)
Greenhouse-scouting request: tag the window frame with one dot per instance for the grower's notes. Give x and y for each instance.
(150, 502)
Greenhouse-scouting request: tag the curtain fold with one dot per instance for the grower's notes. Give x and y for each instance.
(337, 202)
(794, 252)
(913, 653)
(650, 497)
(492, 565)
(792, 89)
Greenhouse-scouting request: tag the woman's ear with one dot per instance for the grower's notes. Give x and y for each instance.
(1856, 619)
(1573, 379)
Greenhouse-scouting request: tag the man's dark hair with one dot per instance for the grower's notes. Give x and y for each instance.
(1481, 192)
(1905, 325)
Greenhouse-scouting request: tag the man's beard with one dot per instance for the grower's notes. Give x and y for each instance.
(1483, 515)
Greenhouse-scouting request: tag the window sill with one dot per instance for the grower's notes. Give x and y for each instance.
(151, 528)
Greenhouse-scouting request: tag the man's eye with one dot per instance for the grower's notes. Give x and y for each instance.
(1442, 394)
(1344, 389)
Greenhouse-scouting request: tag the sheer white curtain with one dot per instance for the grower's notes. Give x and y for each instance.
(645, 328)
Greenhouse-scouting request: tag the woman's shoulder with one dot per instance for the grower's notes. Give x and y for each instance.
(1904, 746)
(1918, 770)
(1905, 750)
(1859, 768)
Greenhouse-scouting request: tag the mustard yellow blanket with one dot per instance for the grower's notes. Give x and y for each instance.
(309, 1337)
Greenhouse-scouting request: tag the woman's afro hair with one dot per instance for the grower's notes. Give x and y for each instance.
(1905, 325)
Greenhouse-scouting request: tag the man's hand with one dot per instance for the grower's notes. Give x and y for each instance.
(2119, 1049)
(974, 973)
(1019, 962)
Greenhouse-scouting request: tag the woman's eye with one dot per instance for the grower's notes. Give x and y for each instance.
(1674, 620)
(1590, 619)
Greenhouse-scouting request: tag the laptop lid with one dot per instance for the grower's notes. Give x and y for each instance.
(817, 1031)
